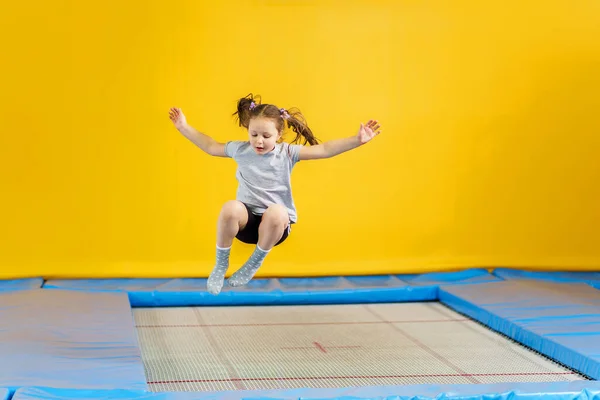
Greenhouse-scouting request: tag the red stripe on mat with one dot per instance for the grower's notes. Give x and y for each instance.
(360, 377)
(302, 323)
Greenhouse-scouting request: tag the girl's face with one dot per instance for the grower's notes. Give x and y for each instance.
(263, 134)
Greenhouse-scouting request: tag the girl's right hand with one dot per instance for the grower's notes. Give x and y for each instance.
(177, 117)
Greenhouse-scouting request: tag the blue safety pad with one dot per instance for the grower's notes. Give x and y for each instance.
(591, 278)
(468, 276)
(559, 320)
(576, 390)
(21, 284)
(273, 291)
(68, 339)
(4, 394)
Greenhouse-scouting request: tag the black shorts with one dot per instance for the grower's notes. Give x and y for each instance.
(250, 232)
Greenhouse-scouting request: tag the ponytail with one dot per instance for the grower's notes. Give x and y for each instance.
(296, 122)
(245, 106)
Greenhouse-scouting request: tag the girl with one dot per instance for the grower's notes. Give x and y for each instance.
(264, 208)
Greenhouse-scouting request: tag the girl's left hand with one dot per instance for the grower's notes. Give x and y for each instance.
(368, 131)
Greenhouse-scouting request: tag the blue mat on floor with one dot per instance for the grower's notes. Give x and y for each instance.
(469, 276)
(68, 339)
(282, 291)
(591, 278)
(506, 391)
(559, 320)
(21, 284)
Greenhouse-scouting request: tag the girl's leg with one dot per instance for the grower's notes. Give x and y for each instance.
(232, 219)
(274, 221)
(273, 224)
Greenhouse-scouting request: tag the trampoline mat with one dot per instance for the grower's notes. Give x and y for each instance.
(285, 347)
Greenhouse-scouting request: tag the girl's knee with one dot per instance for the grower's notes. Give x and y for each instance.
(276, 214)
(233, 209)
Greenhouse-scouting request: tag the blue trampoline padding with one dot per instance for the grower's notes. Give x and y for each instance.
(559, 320)
(591, 278)
(69, 339)
(4, 394)
(21, 284)
(505, 391)
(273, 291)
(468, 276)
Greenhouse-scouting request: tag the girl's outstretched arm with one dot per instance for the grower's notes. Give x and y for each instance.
(205, 142)
(337, 146)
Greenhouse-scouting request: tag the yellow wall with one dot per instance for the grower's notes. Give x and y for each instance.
(489, 154)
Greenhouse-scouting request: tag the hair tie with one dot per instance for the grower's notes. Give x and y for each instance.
(252, 105)
(284, 113)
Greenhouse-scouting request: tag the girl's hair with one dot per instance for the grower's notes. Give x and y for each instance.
(250, 107)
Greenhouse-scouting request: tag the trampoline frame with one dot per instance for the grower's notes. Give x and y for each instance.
(477, 294)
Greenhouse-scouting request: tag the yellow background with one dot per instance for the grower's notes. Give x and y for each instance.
(489, 155)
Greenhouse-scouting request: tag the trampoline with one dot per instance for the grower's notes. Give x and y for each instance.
(203, 349)
(471, 334)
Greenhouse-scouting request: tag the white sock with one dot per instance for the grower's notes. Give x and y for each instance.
(247, 271)
(217, 276)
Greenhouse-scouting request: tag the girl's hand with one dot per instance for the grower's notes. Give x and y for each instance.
(177, 117)
(368, 131)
